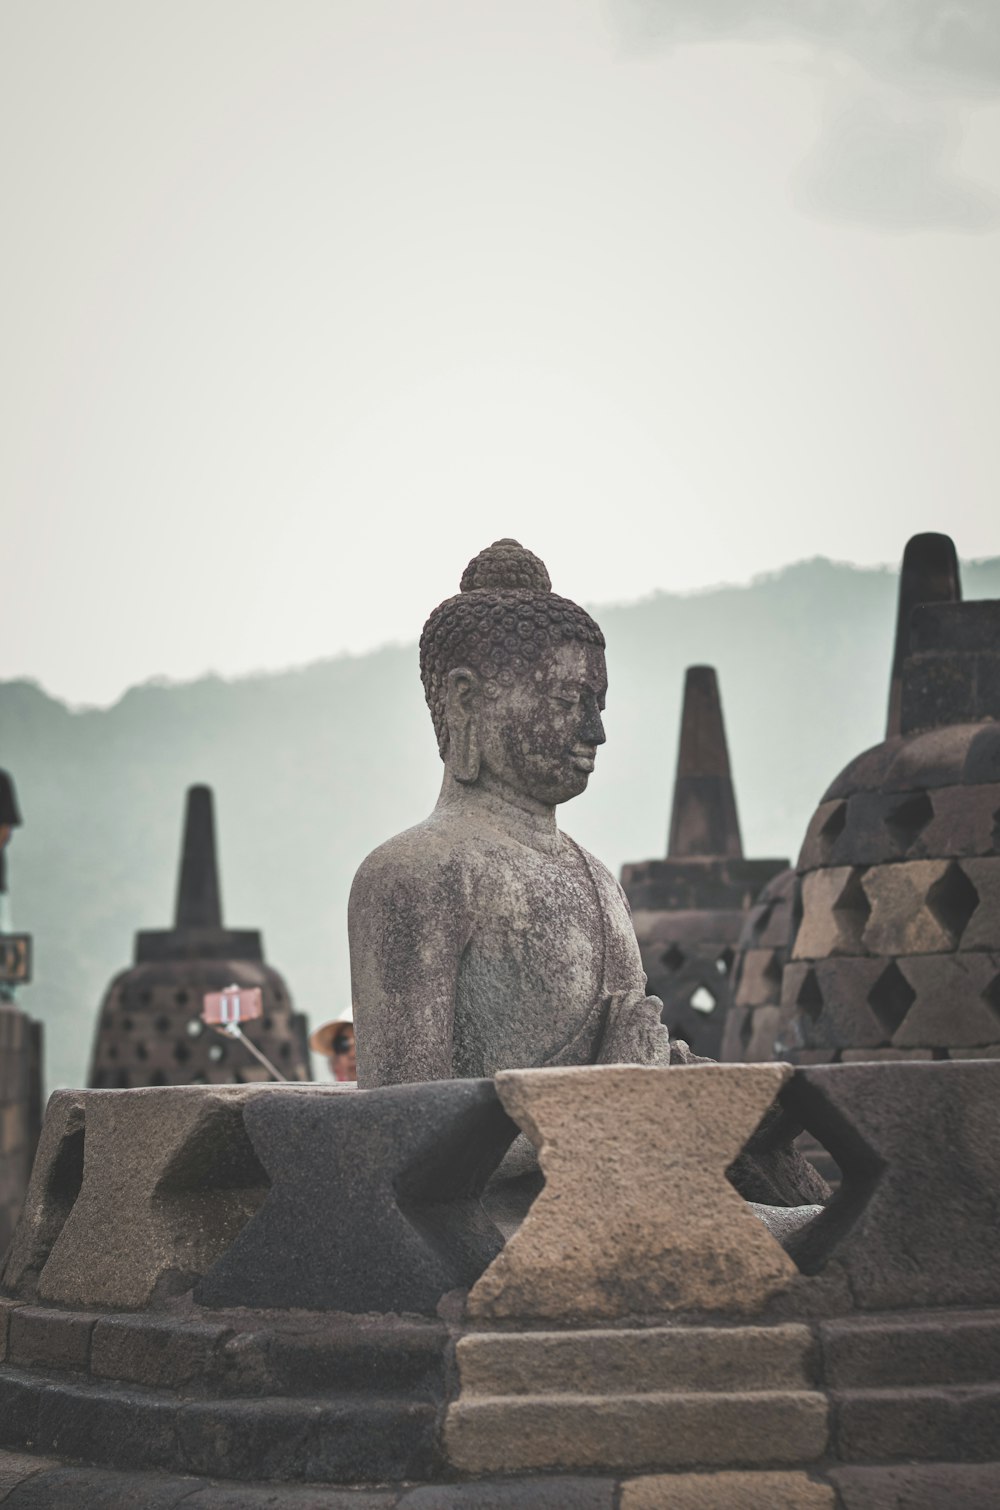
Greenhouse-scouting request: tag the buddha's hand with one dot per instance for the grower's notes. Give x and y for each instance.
(633, 1032)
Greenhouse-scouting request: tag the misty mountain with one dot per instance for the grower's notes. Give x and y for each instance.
(312, 768)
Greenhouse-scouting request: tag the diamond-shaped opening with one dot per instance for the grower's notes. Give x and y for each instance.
(746, 1030)
(702, 1000)
(825, 1134)
(909, 818)
(853, 910)
(774, 969)
(724, 962)
(833, 828)
(673, 957)
(953, 899)
(774, 1175)
(810, 997)
(891, 997)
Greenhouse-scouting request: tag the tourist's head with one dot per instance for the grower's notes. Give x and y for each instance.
(515, 679)
(336, 1041)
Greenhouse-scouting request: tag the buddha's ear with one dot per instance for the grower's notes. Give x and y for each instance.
(461, 709)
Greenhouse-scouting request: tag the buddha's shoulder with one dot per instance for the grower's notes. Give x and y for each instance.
(606, 880)
(431, 855)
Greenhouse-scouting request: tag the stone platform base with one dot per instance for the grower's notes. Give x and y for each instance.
(31, 1483)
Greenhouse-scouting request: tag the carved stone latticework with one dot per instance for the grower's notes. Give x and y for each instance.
(689, 909)
(897, 953)
(149, 1030)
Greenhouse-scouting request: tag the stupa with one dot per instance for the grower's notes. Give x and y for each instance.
(20, 1045)
(897, 954)
(149, 1030)
(688, 909)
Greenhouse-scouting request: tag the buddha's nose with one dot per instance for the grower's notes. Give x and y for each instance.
(592, 732)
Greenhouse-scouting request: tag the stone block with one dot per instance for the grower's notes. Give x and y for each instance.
(374, 1199)
(735, 1035)
(759, 981)
(964, 821)
(826, 828)
(982, 763)
(763, 1034)
(866, 772)
(872, 1425)
(345, 1439)
(173, 1169)
(935, 758)
(514, 1494)
(6, 1308)
(44, 1339)
(903, 919)
(157, 1351)
(988, 1051)
(727, 1491)
(668, 1232)
(983, 928)
(385, 1354)
(914, 1222)
(289, 1497)
(52, 1191)
(834, 913)
(875, 1056)
(951, 1007)
(97, 1423)
(15, 1467)
(632, 1361)
(980, 1423)
(919, 1486)
(58, 1487)
(633, 1432)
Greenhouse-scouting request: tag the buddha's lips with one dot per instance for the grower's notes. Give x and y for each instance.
(582, 760)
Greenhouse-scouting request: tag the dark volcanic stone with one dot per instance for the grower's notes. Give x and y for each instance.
(920, 1486)
(101, 1489)
(374, 1200)
(915, 1222)
(958, 1347)
(514, 1494)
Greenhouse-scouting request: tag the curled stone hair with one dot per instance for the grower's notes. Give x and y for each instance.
(505, 617)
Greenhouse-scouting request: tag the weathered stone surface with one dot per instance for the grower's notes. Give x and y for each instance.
(632, 1432)
(57, 1487)
(878, 1425)
(902, 920)
(873, 1056)
(727, 1491)
(374, 1199)
(514, 1494)
(983, 928)
(964, 821)
(669, 1232)
(940, 1347)
(15, 1467)
(49, 1339)
(636, 1360)
(54, 1187)
(317, 1355)
(832, 1002)
(951, 1009)
(834, 913)
(988, 1051)
(919, 1486)
(915, 1221)
(174, 1169)
(161, 1352)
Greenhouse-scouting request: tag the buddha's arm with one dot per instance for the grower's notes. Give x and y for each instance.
(408, 927)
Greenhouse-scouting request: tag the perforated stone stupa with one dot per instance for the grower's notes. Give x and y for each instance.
(149, 1030)
(688, 909)
(897, 954)
(20, 1046)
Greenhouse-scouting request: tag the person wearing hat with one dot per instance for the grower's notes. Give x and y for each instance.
(336, 1040)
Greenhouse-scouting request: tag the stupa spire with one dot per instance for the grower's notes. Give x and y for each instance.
(704, 819)
(929, 574)
(199, 903)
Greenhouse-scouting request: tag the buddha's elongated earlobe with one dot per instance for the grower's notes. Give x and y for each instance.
(462, 717)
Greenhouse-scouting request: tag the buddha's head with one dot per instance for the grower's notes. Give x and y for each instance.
(515, 679)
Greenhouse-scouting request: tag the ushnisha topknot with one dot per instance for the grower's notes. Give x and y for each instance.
(504, 618)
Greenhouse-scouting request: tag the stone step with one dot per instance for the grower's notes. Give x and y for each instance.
(632, 1362)
(953, 1347)
(515, 1433)
(339, 1439)
(943, 1423)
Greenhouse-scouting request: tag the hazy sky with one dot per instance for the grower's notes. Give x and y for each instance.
(303, 302)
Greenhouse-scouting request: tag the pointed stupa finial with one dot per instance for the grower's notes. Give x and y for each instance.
(929, 574)
(704, 819)
(199, 904)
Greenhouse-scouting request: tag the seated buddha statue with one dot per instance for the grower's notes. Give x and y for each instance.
(485, 938)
